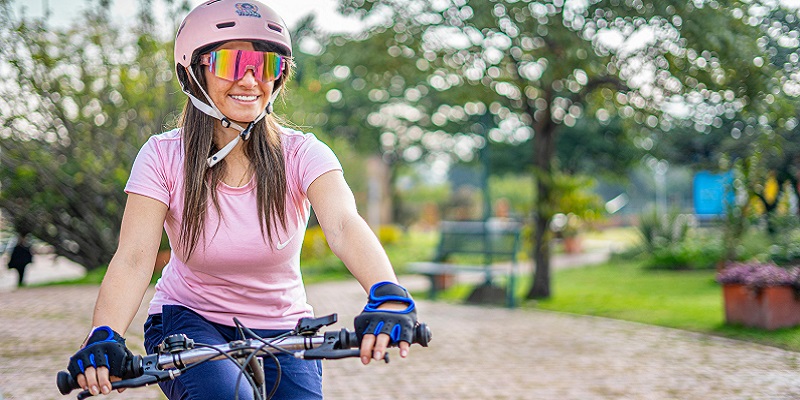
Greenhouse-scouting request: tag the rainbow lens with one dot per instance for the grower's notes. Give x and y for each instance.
(232, 65)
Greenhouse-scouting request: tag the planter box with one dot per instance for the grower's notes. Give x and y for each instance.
(771, 308)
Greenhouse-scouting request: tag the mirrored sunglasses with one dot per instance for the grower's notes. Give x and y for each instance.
(232, 65)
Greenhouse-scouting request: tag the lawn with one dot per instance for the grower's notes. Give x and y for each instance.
(624, 290)
(689, 300)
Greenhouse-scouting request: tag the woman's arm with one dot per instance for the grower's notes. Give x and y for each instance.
(351, 239)
(128, 276)
(131, 268)
(348, 235)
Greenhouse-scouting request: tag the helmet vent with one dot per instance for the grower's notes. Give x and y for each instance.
(223, 25)
(275, 28)
(181, 28)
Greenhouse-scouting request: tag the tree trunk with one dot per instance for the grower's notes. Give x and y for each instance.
(544, 141)
(541, 256)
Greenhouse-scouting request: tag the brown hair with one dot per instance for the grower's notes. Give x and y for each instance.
(263, 150)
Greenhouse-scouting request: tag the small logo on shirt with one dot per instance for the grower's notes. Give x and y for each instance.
(284, 244)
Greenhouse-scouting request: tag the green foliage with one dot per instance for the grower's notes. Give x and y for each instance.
(784, 248)
(319, 263)
(76, 106)
(389, 234)
(659, 231)
(517, 189)
(693, 252)
(542, 68)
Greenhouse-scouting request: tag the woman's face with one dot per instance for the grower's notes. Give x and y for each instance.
(243, 100)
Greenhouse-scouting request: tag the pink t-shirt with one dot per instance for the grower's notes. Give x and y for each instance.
(233, 271)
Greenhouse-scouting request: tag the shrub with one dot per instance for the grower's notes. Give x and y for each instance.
(660, 231)
(314, 245)
(694, 253)
(389, 234)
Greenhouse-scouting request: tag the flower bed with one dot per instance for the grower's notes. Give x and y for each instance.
(761, 295)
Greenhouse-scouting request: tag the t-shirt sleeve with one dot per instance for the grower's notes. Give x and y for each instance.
(314, 159)
(148, 177)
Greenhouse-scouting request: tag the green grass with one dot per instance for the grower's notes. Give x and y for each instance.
(93, 277)
(686, 299)
(625, 290)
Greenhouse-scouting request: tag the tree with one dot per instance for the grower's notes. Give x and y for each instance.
(764, 136)
(75, 107)
(541, 66)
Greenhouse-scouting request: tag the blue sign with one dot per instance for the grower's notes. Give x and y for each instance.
(712, 193)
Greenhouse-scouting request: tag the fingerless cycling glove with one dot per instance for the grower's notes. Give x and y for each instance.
(104, 348)
(398, 324)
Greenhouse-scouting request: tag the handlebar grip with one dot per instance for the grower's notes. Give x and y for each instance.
(65, 382)
(422, 336)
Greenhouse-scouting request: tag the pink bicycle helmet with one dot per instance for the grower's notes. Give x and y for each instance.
(218, 21)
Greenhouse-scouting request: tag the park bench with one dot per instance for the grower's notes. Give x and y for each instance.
(491, 241)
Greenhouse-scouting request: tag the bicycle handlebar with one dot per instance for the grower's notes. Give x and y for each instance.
(178, 352)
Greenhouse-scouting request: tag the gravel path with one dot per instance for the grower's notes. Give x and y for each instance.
(476, 353)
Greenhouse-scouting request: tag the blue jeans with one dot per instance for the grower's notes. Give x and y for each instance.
(300, 379)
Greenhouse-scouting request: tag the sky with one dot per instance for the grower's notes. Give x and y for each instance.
(65, 11)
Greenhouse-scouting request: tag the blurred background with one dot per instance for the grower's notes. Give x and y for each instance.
(663, 135)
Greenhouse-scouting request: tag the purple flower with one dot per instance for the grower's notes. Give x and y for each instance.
(758, 275)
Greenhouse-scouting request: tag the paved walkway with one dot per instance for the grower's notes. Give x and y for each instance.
(476, 353)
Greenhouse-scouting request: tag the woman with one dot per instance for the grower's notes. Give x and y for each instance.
(232, 189)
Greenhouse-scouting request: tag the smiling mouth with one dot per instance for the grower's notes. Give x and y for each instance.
(244, 98)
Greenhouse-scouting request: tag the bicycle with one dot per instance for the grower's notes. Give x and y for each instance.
(178, 353)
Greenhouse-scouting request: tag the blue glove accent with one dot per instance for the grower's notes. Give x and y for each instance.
(100, 330)
(395, 335)
(91, 360)
(378, 328)
(80, 365)
(377, 300)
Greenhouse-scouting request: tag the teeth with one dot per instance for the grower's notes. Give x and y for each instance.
(245, 98)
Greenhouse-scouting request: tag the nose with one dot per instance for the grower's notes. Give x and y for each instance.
(249, 78)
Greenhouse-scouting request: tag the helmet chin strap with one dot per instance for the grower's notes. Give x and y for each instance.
(211, 110)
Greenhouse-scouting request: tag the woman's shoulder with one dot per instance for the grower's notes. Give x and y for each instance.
(169, 141)
(294, 140)
(171, 136)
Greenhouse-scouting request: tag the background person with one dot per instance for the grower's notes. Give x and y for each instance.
(21, 256)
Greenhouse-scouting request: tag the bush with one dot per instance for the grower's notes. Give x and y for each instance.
(389, 234)
(314, 245)
(784, 247)
(661, 231)
(694, 252)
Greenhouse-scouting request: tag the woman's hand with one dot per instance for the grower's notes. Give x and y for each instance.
(389, 317)
(103, 359)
